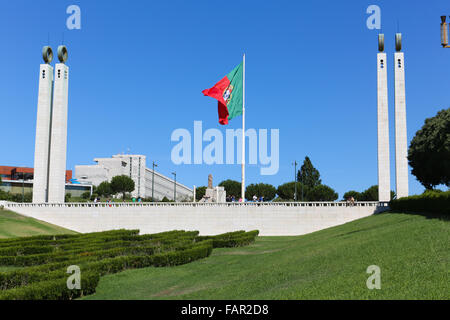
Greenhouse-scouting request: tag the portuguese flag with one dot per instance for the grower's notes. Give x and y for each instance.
(228, 93)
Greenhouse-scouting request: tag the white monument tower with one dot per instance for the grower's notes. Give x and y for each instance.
(43, 123)
(401, 144)
(58, 141)
(384, 183)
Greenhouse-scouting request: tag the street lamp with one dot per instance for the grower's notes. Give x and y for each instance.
(23, 186)
(295, 179)
(175, 187)
(302, 174)
(444, 32)
(153, 181)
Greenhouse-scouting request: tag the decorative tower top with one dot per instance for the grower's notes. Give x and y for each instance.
(62, 54)
(444, 32)
(381, 42)
(47, 54)
(398, 42)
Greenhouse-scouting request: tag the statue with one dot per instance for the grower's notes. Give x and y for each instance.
(210, 181)
(212, 194)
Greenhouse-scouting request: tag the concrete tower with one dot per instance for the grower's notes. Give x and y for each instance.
(43, 126)
(384, 184)
(58, 141)
(401, 146)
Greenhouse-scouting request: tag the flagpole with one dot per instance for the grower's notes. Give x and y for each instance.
(243, 133)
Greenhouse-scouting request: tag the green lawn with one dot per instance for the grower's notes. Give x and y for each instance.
(412, 251)
(15, 225)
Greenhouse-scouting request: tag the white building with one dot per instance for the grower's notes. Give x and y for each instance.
(133, 166)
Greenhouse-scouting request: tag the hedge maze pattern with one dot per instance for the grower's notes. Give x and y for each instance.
(42, 261)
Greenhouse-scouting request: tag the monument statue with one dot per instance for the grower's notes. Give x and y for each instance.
(210, 181)
(212, 194)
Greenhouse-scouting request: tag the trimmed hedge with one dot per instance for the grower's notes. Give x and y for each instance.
(23, 250)
(53, 289)
(231, 239)
(67, 239)
(17, 278)
(67, 236)
(45, 258)
(429, 202)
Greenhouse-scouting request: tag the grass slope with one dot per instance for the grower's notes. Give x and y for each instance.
(14, 225)
(412, 251)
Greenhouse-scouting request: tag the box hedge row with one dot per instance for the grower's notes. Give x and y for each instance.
(429, 202)
(66, 237)
(53, 289)
(27, 275)
(24, 250)
(53, 285)
(108, 236)
(231, 239)
(46, 258)
(78, 243)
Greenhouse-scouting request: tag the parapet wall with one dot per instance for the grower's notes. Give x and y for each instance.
(271, 219)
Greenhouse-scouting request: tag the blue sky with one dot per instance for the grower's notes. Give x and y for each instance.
(138, 69)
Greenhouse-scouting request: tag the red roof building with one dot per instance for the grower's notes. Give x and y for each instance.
(19, 173)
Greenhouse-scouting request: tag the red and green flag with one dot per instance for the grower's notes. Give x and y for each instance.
(228, 93)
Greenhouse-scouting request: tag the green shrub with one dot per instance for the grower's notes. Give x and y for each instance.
(24, 250)
(231, 239)
(66, 238)
(45, 258)
(27, 276)
(428, 202)
(53, 289)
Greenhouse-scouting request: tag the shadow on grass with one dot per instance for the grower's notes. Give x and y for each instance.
(428, 215)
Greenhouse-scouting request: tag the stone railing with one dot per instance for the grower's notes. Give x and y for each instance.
(193, 204)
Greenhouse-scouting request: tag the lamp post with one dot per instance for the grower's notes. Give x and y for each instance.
(302, 181)
(175, 187)
(153, 181)
(444, 32)
(295, 180)
(23, 186)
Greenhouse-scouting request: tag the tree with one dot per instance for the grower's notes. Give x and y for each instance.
(199, 193)
(308, 175)
(428, 192)
(94, 196)
(122, 184)
(28, 197)
(267, 191)
(165, 199)
(429, 152)
(86, 195)
(371, 194)
(232, 187)
(104, 189)
(355, 194)
(321, 192)
(286, 191)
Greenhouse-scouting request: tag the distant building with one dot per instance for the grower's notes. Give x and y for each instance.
(133, 166)
(19, 173)
(18, 180)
